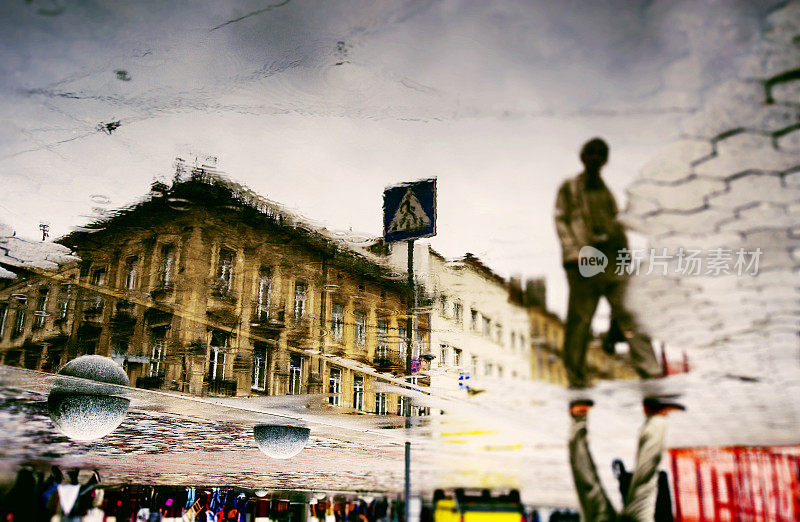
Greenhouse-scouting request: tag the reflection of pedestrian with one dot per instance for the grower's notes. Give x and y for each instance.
(586, 215)
(20, 501)
(640, 501)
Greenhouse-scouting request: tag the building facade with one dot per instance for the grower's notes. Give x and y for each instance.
(205, 288)
(479, 339)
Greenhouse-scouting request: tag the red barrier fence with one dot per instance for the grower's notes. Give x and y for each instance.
(738, 484)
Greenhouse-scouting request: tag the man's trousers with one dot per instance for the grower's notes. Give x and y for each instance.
(640, 502)
(584, 294)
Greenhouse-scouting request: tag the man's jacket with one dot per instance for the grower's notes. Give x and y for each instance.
(574, 219)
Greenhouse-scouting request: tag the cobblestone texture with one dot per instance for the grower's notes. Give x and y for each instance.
(732, 183)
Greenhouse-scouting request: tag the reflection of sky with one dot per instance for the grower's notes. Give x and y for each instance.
(315, 104)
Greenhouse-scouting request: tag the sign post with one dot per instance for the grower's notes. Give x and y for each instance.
(409, 212)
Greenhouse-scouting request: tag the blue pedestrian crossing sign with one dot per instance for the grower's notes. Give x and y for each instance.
(409, 210)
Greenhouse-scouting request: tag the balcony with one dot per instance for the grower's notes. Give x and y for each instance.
(268, 323)
(162, 291)
(153, 382)
(361, 356)
(94, 310)
(223, 316)
(221, 291)
(156, 317)
(338, 349)
(123, 321)
(222, 387)
(389, 362)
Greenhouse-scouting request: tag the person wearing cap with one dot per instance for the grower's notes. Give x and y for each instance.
(586, 216)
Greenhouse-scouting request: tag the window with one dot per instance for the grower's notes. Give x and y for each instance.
(474, 365)
(19, 324)
(539, 363)
(88, 339)
(443, 355)
(158, 341)
(381, 351)
(457, 357)
(487, 326)
(98, 279)
(489, 369)
(475, 319)
(443, 305)
(380, 403)
(225, 271)
(500, 371)
(457, 312)
(259, 367)
(383, 328)
(418, 342)
(337, 321)
(402, 343)
(3, 315)
(41, 309)
(335, 387)
(131, 272)
(420, 410)
(360, 328)
(498, 328)
(300, 291)
(121, 346)
(167, 265)
(402, 401)
(262, 294)
(358, 393)
(63, 301)
(513, 340)
(295, 374)
(217, 354)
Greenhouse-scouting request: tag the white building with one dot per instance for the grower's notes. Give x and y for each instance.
(479, 339)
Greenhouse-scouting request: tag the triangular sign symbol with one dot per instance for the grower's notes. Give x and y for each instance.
(410, 216)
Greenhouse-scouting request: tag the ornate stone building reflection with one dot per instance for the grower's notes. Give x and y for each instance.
(206, 288)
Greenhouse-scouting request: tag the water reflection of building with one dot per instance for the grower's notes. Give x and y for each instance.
(478, 337)
(206, 288)
(547, 338)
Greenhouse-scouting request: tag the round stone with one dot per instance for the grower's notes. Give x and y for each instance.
(96, 368)
(280, 442)
(83, 411)
(86, 417)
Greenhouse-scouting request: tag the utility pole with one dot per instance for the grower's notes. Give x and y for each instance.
(409, 351)
(409, 212)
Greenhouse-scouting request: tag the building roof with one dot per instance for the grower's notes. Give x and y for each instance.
(471, 260)
(209, 190)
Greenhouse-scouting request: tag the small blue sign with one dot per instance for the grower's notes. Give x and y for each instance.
(409, 210)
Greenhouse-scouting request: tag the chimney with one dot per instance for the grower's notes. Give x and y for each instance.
(536, 292)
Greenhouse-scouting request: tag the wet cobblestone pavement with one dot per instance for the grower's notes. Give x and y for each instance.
(158, 448)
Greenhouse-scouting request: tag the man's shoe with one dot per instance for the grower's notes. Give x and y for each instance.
(661, 405)
(580, 407)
